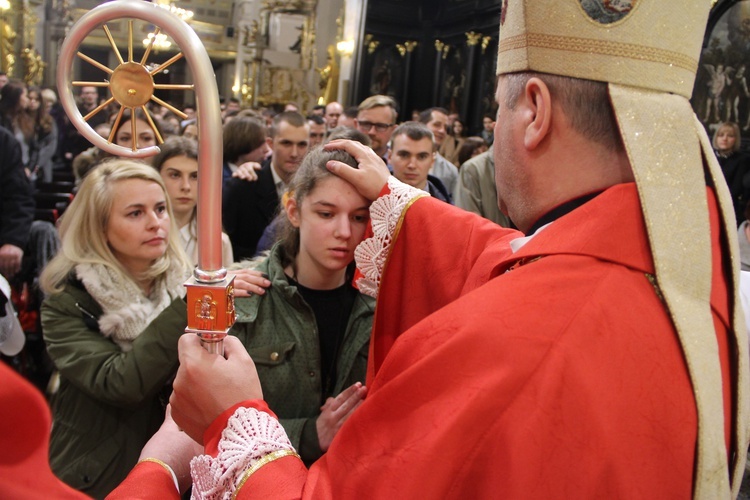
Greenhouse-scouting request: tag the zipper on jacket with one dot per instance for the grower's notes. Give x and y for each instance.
(92, 322)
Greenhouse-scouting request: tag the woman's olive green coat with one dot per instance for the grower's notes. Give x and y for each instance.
(108, 404)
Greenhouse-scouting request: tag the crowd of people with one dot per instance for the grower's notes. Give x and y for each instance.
(291, 231)
(418, 313)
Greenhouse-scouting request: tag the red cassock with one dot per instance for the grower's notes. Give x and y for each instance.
(552, 372)
(24, 440)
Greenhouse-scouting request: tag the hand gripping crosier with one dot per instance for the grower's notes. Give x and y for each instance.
(210, 295)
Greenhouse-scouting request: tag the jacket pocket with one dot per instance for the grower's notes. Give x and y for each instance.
(272, 355)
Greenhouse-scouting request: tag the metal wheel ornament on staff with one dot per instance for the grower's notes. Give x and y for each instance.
(210, 295)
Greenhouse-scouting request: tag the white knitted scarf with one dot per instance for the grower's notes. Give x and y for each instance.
(126, 310)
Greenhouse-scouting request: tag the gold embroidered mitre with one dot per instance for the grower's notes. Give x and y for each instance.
(647, 52)
(645, 44)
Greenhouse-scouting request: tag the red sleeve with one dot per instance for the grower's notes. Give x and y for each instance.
(439, 253)
(147, 480)
(278, 480)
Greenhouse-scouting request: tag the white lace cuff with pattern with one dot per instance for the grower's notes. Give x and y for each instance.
(385, 213)
(249, 437)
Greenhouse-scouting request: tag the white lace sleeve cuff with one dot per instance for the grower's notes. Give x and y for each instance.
(250, 438)
(385, 214)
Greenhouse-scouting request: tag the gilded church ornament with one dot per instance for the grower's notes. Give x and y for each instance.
(473, 38)
(485, 43)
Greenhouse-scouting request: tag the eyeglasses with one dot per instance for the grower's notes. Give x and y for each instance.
(366, 126)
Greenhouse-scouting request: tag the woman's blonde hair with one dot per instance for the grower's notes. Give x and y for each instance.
(83, 227)
(734, 128)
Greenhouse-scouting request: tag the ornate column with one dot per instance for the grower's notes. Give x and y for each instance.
(441, 53)
(405, 50)
(365, 74)
(472, 41)
(479, 88)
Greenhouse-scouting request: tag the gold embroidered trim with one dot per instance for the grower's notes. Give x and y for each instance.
(157, 461)
(166, 467)
(603, 47)
(260, 463)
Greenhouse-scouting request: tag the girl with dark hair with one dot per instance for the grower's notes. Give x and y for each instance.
(14, 100)
(471, 147)
(44, 132)
(177, 163)
(309, 334)
(453, 142)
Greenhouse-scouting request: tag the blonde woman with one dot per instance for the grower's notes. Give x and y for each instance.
(735, 165)
(111, 322)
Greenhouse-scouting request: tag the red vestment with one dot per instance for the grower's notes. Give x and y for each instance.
(24, 440)
(552, 372)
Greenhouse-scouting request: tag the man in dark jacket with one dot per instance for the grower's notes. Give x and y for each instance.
(16, 206)
(248, 207)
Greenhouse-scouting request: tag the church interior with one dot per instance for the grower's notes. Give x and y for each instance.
(267, 53)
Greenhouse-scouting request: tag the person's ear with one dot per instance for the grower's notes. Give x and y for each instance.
(269, 142)
(292, 211)
(538, 104)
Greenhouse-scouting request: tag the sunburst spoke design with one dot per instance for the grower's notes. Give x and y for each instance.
(133, 130)
(169, 107)
(173, 86)
(130, 40)
(116, 124)
(95, 63)
(153, 125)
(132, 86)
(112, 43)
(167, 64)
(150, 46)
(90, 84)
(98, 108)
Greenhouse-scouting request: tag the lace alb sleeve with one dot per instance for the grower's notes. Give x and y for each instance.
(385, 215)
(251, 439)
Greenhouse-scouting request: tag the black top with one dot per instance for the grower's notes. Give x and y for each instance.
(561, 210)
(332, 309)
(247, 208)
(16, 198)
(736, 170)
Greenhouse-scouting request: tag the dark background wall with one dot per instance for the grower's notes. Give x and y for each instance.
(720, 92)
(460, 77)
